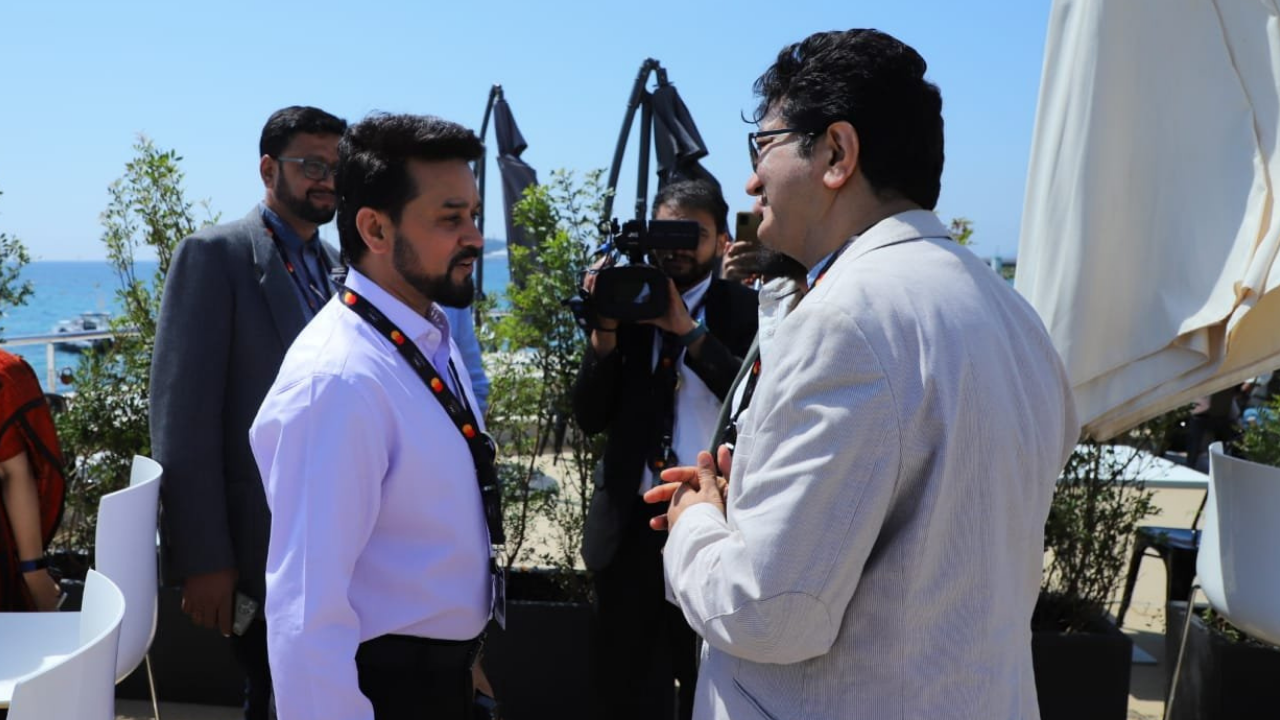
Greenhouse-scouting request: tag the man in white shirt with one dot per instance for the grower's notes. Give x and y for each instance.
(877, 550)
(379, 572)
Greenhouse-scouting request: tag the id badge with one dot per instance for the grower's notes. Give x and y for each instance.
(499, 594)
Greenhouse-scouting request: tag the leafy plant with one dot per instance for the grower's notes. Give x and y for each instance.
(105, 424)
(1260, 440)
(13, 257)
(1097, 505)
(533, 353)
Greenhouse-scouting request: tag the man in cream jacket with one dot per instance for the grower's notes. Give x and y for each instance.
(876, 552)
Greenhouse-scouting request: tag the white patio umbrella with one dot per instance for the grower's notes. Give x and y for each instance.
(1150, 229)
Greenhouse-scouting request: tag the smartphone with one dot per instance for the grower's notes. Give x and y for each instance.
(246, 611)
(748, 225)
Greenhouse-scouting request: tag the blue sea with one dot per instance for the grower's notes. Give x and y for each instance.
(63, 290)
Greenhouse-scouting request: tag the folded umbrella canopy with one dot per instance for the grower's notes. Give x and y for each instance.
(676, 139)
(666, 122)
(516, 173)
(1150, 232)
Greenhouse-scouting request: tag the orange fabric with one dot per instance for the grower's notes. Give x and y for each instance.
(27, 426)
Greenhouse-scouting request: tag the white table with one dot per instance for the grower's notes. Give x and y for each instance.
(32, 641)
(1157, 472)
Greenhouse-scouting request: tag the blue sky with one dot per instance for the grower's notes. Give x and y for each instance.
(79, 80)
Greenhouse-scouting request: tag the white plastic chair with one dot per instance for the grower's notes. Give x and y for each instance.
(126, 553)
(66, 682)
(1236, 566)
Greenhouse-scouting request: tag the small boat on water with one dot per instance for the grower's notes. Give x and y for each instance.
(86, 322)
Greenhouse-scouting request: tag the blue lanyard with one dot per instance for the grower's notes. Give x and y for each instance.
(310, 284)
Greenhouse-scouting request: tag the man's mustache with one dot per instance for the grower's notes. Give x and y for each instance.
(470, 253)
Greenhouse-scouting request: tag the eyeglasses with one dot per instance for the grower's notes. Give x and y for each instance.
(313, 169)
(754, 147)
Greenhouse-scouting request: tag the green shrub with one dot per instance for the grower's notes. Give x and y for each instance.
(1096, 508)
(533, 350)
(105, 422)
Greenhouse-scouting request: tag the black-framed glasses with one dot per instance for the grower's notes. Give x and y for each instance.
(312, 169)
(754, 147)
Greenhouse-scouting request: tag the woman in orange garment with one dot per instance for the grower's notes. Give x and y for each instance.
(32, 487)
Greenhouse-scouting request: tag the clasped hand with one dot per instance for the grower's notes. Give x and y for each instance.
(684, 487)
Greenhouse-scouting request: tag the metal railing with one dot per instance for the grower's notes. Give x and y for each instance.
(49, 340)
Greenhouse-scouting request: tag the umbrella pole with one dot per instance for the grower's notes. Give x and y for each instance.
(495, 94)
(642, 163)
(637, 95)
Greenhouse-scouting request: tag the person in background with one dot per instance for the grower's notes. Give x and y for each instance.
(462, 328)
(1214, 417)
(656, 387)
(236, 296)
(32, 489)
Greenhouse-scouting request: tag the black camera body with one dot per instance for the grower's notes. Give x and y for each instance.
(635, 291)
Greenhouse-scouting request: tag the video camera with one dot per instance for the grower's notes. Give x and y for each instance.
(635, 291)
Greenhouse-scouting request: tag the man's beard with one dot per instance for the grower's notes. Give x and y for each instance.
(689, 273)
(301, 206)
(438, 288)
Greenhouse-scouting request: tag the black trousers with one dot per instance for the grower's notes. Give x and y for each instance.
(643, 643)
(408, 678)
(250, 650)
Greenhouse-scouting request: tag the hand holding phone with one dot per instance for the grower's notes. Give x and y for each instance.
(748, 227)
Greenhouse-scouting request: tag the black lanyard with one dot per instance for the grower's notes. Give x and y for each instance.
(310, 283)
(748, 391)
(666, 383)
(483, 450)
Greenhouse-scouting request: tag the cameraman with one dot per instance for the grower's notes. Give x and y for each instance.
(657, 387)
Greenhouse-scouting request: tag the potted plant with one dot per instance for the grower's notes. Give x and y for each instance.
(533, 350)
(1225, 672)
(1081, 658)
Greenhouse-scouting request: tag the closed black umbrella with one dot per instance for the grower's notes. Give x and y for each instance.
(664, 120)
(676, 139)
(516, 173)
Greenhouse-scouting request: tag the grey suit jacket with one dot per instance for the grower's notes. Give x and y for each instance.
(228, 315)
(882, 550)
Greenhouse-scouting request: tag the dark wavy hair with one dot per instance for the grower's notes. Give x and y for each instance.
(373, 166)
(695, 195)
(876, 83)
(287, 122)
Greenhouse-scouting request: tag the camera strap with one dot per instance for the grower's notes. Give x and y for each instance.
(484, 451)
(666, 383)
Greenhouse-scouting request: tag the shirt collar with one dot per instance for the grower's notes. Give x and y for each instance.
(429, 333)
(694, 295)
(816, 270)
(283, 230)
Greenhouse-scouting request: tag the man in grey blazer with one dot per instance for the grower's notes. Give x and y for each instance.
(877, 550)
(236, 296)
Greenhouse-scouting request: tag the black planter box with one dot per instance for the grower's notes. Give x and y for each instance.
(540, 666)
(1220, 678)
(1082, 675)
